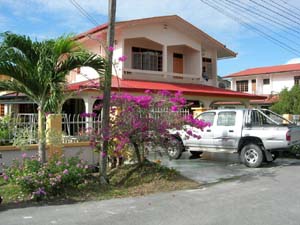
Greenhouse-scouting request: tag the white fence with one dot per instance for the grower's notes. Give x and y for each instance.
(75, 127)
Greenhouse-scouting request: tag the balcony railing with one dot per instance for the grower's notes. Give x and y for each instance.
(162, 76)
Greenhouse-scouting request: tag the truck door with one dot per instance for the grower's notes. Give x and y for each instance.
(207, 133)
(227, 129)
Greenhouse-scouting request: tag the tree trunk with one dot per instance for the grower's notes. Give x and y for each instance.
(41, 136)
(137, 153)
(107, 91)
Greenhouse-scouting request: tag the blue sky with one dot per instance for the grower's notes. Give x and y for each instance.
(51, 18)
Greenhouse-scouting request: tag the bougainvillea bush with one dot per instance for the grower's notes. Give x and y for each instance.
(146, 120)
(43, 180)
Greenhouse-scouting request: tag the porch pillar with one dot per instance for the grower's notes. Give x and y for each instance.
(54, 134)
(246, 103)
(165, 59)
(89, 103)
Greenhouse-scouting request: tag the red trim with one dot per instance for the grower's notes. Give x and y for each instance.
(141, 86)
(265, 70)
(91, 31)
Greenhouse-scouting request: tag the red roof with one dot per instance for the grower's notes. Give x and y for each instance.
(265, 70)
(141, 86)
(91, 31)
(175, 18)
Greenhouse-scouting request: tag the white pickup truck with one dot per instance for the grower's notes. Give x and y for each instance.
(257, 135)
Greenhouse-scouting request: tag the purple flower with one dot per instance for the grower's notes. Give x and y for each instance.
(24, 155)
(123, 58)
(103, 154)
(164, 93)
(189, 132)
(5, 177)
(111, 48)
(39, 192)
(66, 172)
(174, 108)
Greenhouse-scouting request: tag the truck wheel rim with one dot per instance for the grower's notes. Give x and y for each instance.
(172, 150)
(251, 156)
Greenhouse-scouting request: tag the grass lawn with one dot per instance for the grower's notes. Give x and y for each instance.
(125, 181)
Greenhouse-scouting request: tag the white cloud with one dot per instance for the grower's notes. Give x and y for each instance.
(66, 16)
(293, 61)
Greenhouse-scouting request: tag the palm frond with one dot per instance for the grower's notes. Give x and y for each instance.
(80, 59)
(15, 86)
(23, 43)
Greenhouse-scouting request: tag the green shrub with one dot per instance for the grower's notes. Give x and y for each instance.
(5, 130)
(53, 178)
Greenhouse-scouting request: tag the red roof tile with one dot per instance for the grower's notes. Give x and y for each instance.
(265, 70)
(141, 86)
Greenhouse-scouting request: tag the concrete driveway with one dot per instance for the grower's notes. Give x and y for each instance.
(216, 167)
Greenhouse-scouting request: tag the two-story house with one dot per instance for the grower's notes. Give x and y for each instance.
(267, 81)
(163, 53)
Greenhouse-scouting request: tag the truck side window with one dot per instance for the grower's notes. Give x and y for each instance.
(207, 117)
(226, 119)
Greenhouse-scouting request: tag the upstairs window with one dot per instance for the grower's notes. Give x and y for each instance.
(266, 81)
(146, 59)
(242, 85)
(297, 80)
(207, 72)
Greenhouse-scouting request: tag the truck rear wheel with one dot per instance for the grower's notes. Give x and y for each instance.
(252, 155)
(175, 148)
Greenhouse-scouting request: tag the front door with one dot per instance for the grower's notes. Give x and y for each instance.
(178, 65)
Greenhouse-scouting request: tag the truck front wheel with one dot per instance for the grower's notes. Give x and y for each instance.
(252, 155)
(175, 148)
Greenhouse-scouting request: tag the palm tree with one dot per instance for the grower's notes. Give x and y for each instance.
(38, 69)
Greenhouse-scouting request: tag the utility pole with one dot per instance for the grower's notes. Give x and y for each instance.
(107, 90)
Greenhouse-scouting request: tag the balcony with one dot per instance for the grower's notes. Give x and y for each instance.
(134, 74)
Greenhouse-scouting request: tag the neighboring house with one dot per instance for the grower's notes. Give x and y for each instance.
(163, 53)
(267, 81)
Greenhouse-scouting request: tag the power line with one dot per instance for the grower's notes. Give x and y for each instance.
(292, 9)
(249, 26)
(250, 18)
(278, 6)
(283, 16)
(84, 12)
(267, 17)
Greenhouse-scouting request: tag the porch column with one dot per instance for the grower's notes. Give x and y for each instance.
(7, 109)
(246, 103)
(88, 103)
(207, 103)
(165, 59)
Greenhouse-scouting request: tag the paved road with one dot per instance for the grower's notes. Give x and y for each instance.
(269, 196)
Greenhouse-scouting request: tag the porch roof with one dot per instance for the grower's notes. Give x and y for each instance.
(141, 86)
(15, 98)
